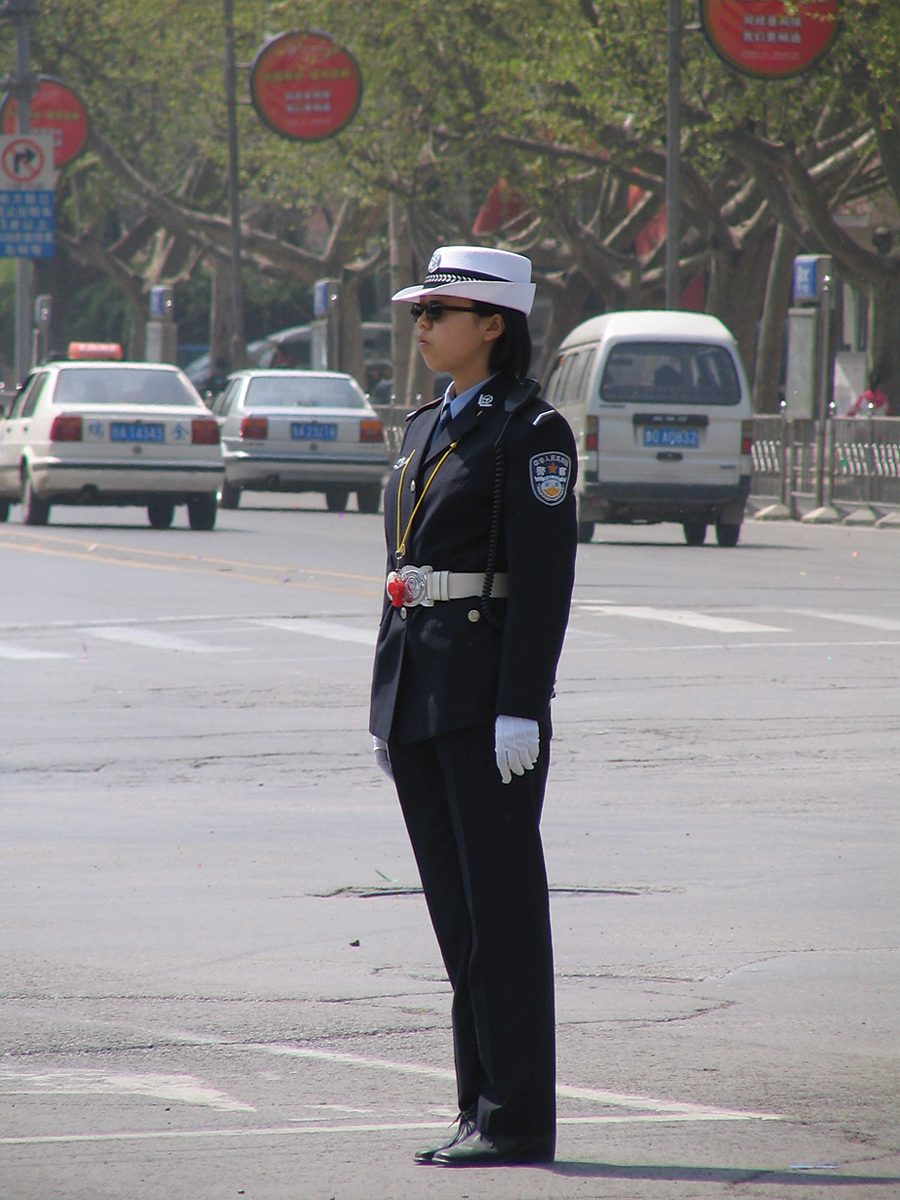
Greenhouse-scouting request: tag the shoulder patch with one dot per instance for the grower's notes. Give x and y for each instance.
(550, 474)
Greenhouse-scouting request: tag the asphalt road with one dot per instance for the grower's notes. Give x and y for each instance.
(219, 978)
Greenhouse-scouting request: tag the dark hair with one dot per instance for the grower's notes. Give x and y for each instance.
(511, 352)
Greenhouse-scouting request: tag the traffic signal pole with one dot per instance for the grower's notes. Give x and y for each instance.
(22, 86)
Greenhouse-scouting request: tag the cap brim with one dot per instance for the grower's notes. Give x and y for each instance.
(519, 296)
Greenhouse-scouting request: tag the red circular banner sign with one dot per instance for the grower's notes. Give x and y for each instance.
(771, 39)
(305, 87)
(56, 109)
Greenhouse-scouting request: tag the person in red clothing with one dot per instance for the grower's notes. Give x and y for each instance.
(871, 400)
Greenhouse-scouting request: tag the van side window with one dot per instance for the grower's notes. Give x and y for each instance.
(576, 382)
(556, 387)
(670, 373)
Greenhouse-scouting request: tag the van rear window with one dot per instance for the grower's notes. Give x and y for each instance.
(670, 373)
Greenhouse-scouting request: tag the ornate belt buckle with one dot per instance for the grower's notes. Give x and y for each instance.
(409, 587)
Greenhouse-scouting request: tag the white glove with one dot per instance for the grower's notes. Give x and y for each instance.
(382, 757)
(517, 744)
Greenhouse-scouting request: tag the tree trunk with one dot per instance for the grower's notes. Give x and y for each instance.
(777, 300)
(351, 354)
(220, 313)
(566, 311)
(737, 288)
(401, 276)
(137, 333)
(884, 339)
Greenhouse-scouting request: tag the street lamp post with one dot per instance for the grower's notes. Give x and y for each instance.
(673, 152)
(238, 350)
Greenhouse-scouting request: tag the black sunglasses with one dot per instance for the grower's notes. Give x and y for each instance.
(435, 309)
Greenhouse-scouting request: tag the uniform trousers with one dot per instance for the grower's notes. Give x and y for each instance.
(478, 848)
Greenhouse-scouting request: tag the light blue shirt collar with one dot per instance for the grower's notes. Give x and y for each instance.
(458, 403)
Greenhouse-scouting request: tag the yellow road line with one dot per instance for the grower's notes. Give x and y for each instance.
(197, 568)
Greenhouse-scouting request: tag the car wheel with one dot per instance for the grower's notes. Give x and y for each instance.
(694, 532)
(727, 535)
(368, 497)
(202, 512)
(35, 511)
(160, 513)
(4, 510)
(585, 531)
(336, 498)
(231, 496)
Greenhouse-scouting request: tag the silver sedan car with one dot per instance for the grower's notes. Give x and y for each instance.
(110, 433)
(301, 431)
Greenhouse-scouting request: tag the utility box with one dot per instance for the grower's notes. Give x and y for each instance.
(161, 333)
(802, 357)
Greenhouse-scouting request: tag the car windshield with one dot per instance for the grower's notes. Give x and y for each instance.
(670, 373)
(311, 391)
(123, 385)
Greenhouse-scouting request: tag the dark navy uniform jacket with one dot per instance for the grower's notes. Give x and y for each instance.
(436, 668)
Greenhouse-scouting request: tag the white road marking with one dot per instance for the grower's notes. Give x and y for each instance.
(180, 1089)
(8, 650)
(324, 629)
(293, 1130)
(888, 624)
(674, 616)
(661, 1109)
(152, 639)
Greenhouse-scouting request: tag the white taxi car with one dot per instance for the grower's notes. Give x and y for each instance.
(301, 431)
(110, 433)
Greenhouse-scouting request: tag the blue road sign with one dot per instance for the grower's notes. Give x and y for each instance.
(26, 224)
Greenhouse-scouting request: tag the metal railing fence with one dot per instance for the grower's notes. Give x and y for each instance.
(860, 463)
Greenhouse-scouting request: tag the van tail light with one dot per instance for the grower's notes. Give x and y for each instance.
(65, 429)
(205, 431)
(591, 433)
(371, 431)
(255, 427)
(746, 437)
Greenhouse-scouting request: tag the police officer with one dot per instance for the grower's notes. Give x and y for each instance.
(481, 536)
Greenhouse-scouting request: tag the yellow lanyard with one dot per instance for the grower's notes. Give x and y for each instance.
(401, 542)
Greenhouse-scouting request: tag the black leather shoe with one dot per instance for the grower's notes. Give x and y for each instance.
(465, 1125)
(480, 1150)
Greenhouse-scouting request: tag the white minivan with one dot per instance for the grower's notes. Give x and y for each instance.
(660, 408)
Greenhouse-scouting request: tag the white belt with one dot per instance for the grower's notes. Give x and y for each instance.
(424, 585)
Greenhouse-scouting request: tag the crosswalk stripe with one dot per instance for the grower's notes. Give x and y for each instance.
(324, 629)
(684, 617)
(152, 639)
(20, 653)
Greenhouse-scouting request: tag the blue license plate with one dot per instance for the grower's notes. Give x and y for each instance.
(668, 435)
(313, 431)
(119, 431)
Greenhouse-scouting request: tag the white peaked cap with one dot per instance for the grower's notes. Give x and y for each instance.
(476, 273)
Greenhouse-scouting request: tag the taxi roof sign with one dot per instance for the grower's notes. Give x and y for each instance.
(81, 351)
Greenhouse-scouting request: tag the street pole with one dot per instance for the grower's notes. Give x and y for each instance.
(22, 86)
(673, 152)
(238, 347)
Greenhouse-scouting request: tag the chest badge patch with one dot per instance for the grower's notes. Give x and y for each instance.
(550, 474)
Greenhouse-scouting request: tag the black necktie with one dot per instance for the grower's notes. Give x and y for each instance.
(445, 417)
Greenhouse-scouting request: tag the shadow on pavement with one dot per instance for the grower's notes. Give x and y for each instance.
(675, 1173)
